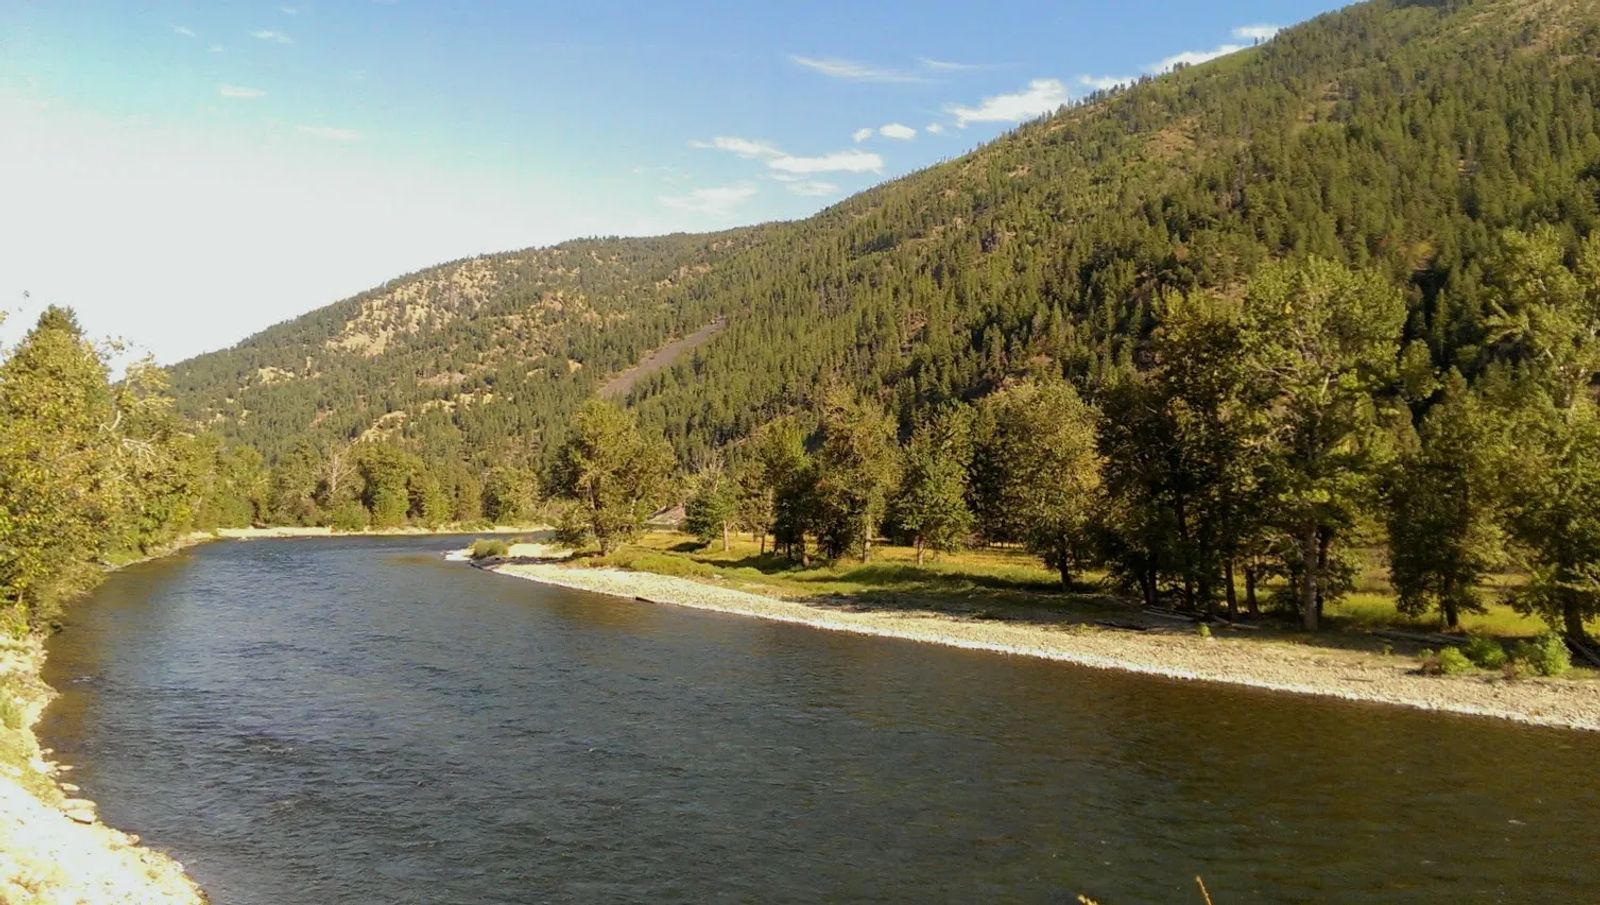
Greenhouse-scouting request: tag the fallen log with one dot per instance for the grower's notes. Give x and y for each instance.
(1421, 637)
(1583, 651)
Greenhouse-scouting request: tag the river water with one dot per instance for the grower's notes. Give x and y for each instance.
(356, 720)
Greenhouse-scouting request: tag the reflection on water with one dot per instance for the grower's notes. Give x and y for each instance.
(358, 721)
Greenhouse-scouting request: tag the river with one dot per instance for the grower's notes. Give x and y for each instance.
(357, 720)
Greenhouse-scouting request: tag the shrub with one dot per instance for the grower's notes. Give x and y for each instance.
(1205, 630)
(10, 712)
(1546, 655)
(1486, 652)
(348, 516)
(1452, 662)
(484, 548)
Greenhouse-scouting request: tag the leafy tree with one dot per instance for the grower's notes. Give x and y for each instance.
(616, 475)
(509, 494)
(712, 505)
(1320, 341)
(1036, 472)
(856, 467)
(1442, 535)
(789, 477)
(59, 483)
(292, 488)
(429, 505)
(385, 473)
(932, 502)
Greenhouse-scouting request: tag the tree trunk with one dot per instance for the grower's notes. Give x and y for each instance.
(1250, 601)
(724, 537)
(1308, 576)
(1572, 619)
(1233, 591)
(919, 549)
(866, 541)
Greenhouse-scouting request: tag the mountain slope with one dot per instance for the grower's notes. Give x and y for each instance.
(1396, 135)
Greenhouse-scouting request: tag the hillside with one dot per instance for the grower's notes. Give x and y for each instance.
(1398, 135)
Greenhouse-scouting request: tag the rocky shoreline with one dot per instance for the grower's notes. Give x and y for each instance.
(53, 847)
(1275, 665)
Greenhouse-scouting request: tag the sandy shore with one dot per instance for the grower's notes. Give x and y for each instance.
(1176, 653)
(53, 847)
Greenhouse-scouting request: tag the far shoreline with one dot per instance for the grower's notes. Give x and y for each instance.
(1179, 654)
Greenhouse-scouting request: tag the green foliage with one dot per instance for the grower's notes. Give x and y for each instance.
(856, 468)
(1036, 471)
(1321, 341)
(484, 548)
(509, 494)
(616, 476)
(1546, 655)
(349, 515)
(1440, 508)
(931, 505)
(712, 506)
(1452, 662)
(1485, 652)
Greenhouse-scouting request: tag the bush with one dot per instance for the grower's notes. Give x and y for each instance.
(484, 548)
(1486, 652)
(1452, 662)
(349, 516)
(1546, 655)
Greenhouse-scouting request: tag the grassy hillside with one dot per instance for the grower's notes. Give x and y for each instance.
(1399, 135)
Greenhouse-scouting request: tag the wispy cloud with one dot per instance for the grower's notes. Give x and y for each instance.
(1254, 34)
(744, 147)
(856, 71)
(1040, 97)
(862, 134)
(948, 66)
(897, 131)
(183, 30)
(934, 128)
(782, 162)
(1105, 82)
(813, 188)
(289, 10)
(837, 162)
(215, 48)
(717, 201)
(1257, 32)
(331, 133)
(239, 91)
(272, 36)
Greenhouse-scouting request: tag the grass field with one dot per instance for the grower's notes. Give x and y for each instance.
(991, 578)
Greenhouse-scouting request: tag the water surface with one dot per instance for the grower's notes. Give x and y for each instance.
(356, 720)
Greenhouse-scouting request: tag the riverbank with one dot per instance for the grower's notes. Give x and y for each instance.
(53, 847)
(1314, 665)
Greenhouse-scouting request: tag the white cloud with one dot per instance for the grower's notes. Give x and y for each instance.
(183, 30)
(289, 10)
(1040, 97)
(934, 128)
(239, 91)
(331, 133)
(215, 48)
(861, 134)
(718, 201)
(1257, 32)
(782, 162)
(947, 66)
(1195, 57)
(1105, 82)
(813, 188)
(897, 131)
(837, 162)
(748, 148)
(850, 69)
(271, 35)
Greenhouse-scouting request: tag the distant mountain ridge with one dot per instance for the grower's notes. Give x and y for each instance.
(1399, 135)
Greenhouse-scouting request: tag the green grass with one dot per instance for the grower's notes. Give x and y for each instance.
(1007, 577)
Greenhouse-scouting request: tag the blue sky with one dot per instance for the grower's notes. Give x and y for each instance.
(185, 173)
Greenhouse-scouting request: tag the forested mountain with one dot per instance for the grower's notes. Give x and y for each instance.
(1398, 135)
